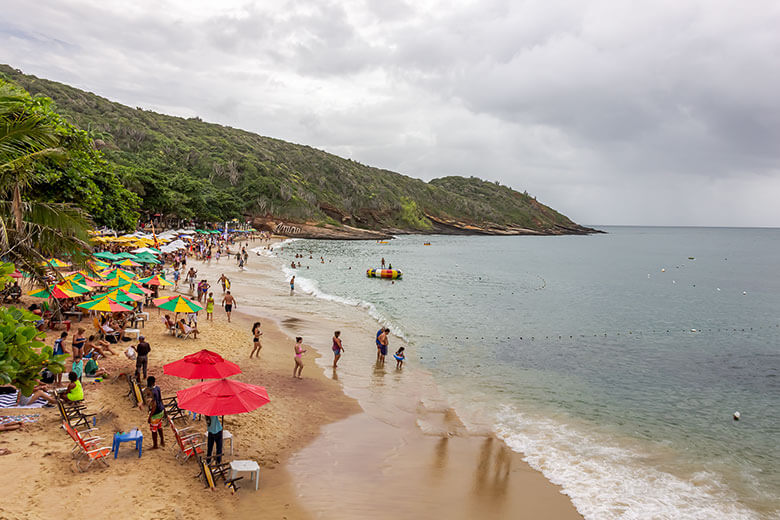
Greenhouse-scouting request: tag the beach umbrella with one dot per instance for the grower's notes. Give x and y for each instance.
(105, 254)
(134, 288)
(104, 305)
(120, 256)
(155, 280)
(202, 365)
(146, 259)
(180, 304)
(163, 299)
(120, 295)
(222, 397)
(117, 273)
(56, 263)
(16, 274)
(127, 263)
(74, 286)
(55, 292)
(149, 250)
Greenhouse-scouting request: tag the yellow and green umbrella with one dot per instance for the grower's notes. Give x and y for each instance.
(54, 292)
(180, 304)
(127, 263)
(134, 287)
(74, 286)
(121, 295)
(56, 263)
(155, 280)
(104, 305)
(117, 273)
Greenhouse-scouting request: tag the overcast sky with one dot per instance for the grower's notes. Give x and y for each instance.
(613, 112)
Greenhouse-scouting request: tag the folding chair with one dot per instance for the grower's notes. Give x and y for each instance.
(172, 410)
(74, 414)
(210, 473)
(188, 443)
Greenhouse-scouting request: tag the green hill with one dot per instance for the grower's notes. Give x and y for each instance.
(191, 169)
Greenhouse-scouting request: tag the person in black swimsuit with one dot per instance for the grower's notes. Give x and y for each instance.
(79, 340)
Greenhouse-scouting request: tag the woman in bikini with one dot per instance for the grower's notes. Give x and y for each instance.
(256, 344)
(337, 347)
(78, 343)
(299, 350)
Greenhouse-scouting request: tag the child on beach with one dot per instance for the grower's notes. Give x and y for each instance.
(210, 307)
(256, 344)
(337, 347)
(399, 358)
(292, 284)
(299, 350)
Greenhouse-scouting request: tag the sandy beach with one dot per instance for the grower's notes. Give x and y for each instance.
(326, 450)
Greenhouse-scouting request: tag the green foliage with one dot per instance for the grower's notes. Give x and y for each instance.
(412, 216)
(22, 353)
(191, 169)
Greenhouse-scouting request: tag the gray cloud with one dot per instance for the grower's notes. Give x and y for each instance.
(635, 113)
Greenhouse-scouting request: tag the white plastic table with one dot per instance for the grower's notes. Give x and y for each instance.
(248, 466)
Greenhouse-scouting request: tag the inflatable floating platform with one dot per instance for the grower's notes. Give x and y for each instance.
(384, 273)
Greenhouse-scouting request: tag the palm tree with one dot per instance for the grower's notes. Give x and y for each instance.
(32, 231)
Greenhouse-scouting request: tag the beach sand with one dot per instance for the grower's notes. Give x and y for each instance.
(322, 454)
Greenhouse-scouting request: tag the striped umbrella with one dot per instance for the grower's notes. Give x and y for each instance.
(180, 304)
(135, 288)
(163, 299)
(127, 263)
(56, 263)
(120, 295)
(155, 280)
(74, 286)
(117, 273)
(55, 292)
(104, 305)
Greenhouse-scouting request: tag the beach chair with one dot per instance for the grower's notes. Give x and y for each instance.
(172, 410)
(98, 329)
(210, 473)
(90, 441)
(134, 393)
(92, 450)
(184, 330)
(172, 330)
(188, 443)
(74, 413)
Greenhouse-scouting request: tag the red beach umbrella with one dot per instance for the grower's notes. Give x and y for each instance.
(222, 397)
(202, 365)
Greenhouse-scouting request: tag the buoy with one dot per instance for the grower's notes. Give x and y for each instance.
(744, 292)
(693, 330)
(737, 415)
(663, 270)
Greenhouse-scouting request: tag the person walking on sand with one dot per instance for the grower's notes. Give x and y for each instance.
(299, 350)
(256, 344)
(383, 262)
(228, 302)
(156, 412)
(223, 282)
(292, 285)
(210, 307)
(383, 342)
(337, 347)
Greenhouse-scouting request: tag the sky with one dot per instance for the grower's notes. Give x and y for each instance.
(628, 113)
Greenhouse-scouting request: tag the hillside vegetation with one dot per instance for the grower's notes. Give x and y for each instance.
(208, 172)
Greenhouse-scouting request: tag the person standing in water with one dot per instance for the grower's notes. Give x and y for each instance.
(299, 350)
(399, 358)
(292, 284)
(256, 344)
(383, 342)
(337, 347)
(228, 302)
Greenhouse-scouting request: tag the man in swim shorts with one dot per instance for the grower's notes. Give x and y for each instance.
(383, 341)
(228, 302)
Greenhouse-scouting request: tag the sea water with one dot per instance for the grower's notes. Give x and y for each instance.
(613, 362)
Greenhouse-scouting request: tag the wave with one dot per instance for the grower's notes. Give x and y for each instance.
(312, 287)
(607, 481)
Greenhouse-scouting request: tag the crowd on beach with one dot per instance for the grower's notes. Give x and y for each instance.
(113, 330)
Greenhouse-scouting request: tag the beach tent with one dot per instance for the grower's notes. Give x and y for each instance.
(204, 364)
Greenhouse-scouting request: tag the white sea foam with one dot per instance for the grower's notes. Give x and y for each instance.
(608, 481)
(312, 287)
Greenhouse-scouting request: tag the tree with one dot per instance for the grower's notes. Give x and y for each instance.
(22, 352)
(31, 231)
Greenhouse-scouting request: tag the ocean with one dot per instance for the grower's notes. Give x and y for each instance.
(613, 362)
